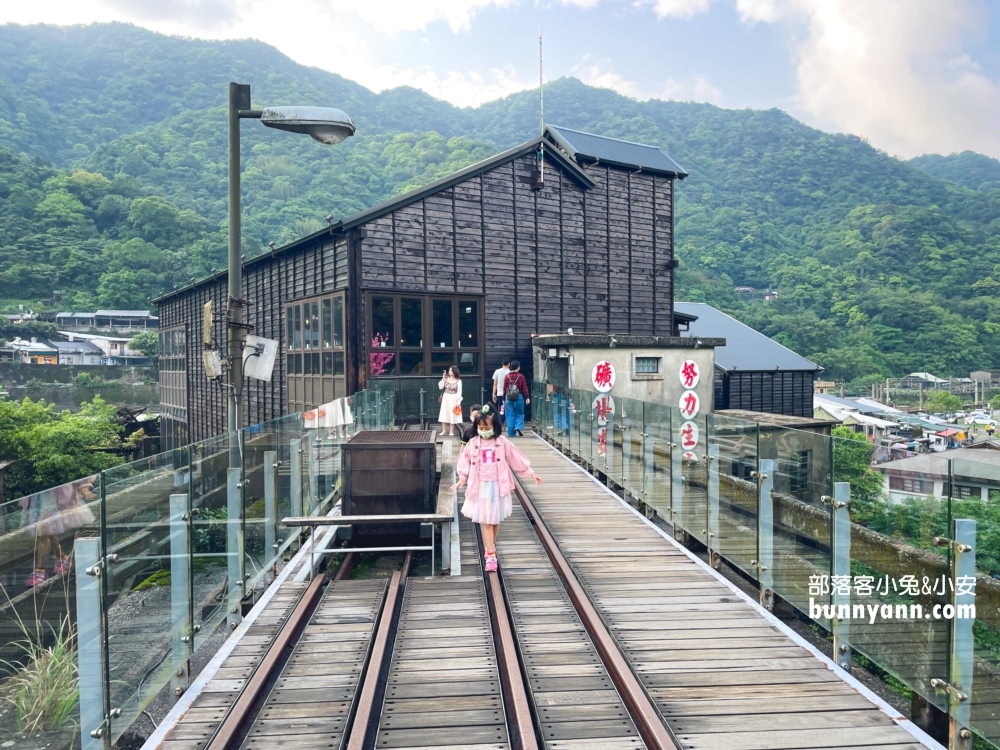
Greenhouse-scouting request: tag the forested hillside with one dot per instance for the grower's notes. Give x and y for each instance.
(113, 189)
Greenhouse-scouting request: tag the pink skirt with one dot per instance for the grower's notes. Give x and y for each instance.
(489, 507)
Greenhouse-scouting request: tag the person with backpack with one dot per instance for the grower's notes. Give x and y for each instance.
(485, 470)
(516, 395)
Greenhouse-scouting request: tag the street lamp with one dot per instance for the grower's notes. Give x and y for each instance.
(324, 124)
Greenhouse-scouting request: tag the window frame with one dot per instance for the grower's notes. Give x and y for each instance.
(318, 365)
(427, 347)
(636, 375)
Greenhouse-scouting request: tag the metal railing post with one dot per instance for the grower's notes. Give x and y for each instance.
(765, 532)
(841, 566)
(963, 599)
(648, 459)
(234, 545)
(271, 509)
(310, 458)
(423, 410)
(295, 476)
(95, 725)
(712, 532)
(181, 612)
(676, 479)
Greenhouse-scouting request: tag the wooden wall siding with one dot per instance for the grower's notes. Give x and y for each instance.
(574, 279)
(597, 277)
(780, 392)
(663, 253)
(470, 236)
(500, 252)
(267, 284)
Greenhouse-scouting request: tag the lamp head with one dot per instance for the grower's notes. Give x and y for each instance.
(324, 124)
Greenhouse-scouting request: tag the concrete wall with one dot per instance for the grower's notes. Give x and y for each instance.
(664, 388)
(15, 374)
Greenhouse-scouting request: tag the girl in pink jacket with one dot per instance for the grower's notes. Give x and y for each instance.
(485, 466)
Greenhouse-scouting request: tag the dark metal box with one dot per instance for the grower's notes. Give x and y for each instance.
(389, 472)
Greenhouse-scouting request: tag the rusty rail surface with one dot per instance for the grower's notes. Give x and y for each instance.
(511, 676)
(366, 719)
(647, 718)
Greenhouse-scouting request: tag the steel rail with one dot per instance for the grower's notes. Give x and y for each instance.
(256, 688)
(366, 718)
(644, 714)
(511, 676)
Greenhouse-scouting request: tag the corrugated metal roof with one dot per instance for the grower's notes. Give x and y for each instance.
(82, 347)
(745, 349)
(625, 153)
(125, 313)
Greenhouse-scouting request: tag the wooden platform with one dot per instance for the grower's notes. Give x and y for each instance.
(721, 674)
(575, 701)
(313, 696)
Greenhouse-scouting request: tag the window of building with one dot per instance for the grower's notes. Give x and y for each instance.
(965, 491)
(800, 465)
(413, 335)
(647, 365)
(910, 484)
(172, 360)
(314, 352)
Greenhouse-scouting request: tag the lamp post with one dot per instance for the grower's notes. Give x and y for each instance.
(324, 124)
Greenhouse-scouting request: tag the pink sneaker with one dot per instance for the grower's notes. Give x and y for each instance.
(65, 565)
(39, 577)
(491, 563)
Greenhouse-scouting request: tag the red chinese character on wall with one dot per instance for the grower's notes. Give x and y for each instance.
(689, 404)
(689, 373)
(604, 376)
(689, 435)
(604, 408)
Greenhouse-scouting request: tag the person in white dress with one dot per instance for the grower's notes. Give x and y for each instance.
(451, 400)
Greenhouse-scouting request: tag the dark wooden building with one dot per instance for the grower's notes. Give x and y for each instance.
(461, 271)
(752, 372)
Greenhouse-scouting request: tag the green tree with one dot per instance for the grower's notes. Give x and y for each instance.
(852, 455)
(942, 401)
(50, 448)
(147, 342)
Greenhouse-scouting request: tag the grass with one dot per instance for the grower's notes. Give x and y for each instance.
(45, 691)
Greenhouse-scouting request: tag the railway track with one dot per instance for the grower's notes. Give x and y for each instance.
(518, 660)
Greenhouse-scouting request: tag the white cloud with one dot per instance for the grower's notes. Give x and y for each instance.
(395, 16)
(601, 73)
(676, 8)
(893, 71)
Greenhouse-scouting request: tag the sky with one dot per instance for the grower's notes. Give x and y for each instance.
(910, 76)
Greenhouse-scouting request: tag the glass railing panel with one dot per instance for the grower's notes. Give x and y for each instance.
(39, 612)
(147, 579)
(583, 417)
(735, 450)
(557, 405)
(975, 494)
(691, 508)
(633, 455)
(657, 456)
(801, 483)
(210, 461)
(896, 566)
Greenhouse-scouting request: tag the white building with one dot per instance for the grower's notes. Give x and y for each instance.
(975, 473)
(115, 348)
(79, 353)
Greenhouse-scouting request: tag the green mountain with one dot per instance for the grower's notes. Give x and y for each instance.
(113, 189)
(968, 168)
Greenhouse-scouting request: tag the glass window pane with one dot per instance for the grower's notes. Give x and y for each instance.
(298, 364)
(326, 324)
(468, 324)
(338, 363)
(314, 319)
(291, 365)
(289, 344)
(411, 322)
(307, 365)
(328, 363)
(468, 363)
(442, 324)
(411, 363)
(383, 322)
(441, 361)
(338, 321)
(297, 339)
(381, 362)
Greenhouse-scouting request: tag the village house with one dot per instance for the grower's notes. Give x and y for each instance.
(79, 353)
(975, 473)
(117, 320)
